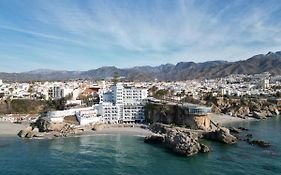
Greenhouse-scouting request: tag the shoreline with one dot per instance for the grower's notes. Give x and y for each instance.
(9, 129)
(224, 119)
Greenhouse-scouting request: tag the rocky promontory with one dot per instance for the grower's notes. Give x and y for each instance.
(179, 141)
(186, 142)
(244, 107)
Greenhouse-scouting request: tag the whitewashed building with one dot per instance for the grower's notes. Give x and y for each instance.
(123, 104)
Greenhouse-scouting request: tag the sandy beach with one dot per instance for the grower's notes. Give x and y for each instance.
(11, 129)
(125, 131)
(223, 119)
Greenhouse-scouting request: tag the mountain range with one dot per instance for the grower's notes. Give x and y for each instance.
(270, 62)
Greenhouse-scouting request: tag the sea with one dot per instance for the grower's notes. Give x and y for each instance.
(129, 155)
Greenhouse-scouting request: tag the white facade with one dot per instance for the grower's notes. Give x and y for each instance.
(87, 117)
(128, 95)
(133, 113)
(57, 92)
(58, 116)
(122, 104)
(265, 84)
(110, 113)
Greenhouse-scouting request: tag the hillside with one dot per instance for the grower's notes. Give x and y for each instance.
(270, 62)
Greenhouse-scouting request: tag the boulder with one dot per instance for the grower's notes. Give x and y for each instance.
(221, 135)
(181, 143)
(259, 115)
(23, 133)
(273, 109)
(243, 129)
(154, 138)
(204, 148)
(43, 124)
(159, 128)
(234, 130)
(32, 133)
(242, 112)
(260, 143)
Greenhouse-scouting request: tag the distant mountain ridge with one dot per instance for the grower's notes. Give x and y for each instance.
(270, 62)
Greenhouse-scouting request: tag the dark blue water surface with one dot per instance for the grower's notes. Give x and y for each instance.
(128, 155)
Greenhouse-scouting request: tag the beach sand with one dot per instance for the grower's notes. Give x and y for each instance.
(11, 129)
(125, 131)
(223, 119)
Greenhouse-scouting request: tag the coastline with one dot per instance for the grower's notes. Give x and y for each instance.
(9, 129)
(223, 119)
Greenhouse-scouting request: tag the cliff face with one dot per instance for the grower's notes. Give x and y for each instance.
(177, 115)
(247, 107)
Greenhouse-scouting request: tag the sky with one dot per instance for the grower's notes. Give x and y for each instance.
(87, 34)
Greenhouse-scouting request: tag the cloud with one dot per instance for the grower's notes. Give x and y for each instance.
(151, 32)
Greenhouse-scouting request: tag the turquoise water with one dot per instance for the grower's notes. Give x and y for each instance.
(128, 155)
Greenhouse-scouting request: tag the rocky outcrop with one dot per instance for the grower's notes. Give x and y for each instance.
(30, 132)
(259, 143)
(242, 112)
(179, 141)
(244, 107)
(177, 115)
(182, 143)
(154, 138)
(25, 131)
(43, 124)
(204, 148)
(259, 115)
(234, 130)
(222, 135)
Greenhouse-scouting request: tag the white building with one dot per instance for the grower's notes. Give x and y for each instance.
(128, 95)
(110, 113)
(87, 117)
(265, 83)
(57, 92)
(122, 104)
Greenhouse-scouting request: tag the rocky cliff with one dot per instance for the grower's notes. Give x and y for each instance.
(177, 115)
(244, 107)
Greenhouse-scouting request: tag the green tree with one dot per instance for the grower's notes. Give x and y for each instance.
(115, 78)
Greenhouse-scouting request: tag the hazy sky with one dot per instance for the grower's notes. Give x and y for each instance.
(81, 34)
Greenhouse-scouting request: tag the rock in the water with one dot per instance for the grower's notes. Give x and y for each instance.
(204, 148)
(154, 138)
(221, 135)
(243, 129)
(182, 143)
(234, 130)
(248, 136)
(260, 143)
(32, 133)
(259, 115)
(23, 133)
